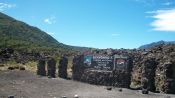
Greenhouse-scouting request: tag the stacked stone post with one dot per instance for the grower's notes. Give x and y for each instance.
(51, 67)
(165, 80)
(78, 68)
(122, 76)
(63, 67)
(148, 72)
(74, 67)
(41, 67)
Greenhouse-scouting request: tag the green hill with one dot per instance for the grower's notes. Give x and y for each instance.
(19, 35)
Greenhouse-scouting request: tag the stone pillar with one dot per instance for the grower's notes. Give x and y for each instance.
(165, 80)
(74, 67)
(51, 67)
(63, 67)
(78, 67)
(41, 67)
(148, 72)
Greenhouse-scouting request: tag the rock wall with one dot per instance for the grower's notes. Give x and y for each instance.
(165, 72)
(158, 66)
(118, 77)
(97, 77)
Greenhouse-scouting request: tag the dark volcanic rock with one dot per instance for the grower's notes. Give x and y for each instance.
(118, 78)
(77, 68)
(63, 67)
(97, 77)
(41, 67)
(158, 66)
(51, 67)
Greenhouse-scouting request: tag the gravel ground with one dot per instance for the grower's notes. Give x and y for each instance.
(24, 84)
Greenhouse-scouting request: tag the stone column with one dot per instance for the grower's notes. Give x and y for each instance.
(165, 80)
(51, 67)
(41, 67)
(78, 67)
(63, 67)
(148, 72)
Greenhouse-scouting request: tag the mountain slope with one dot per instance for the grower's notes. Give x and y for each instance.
(19, 35)
(151, 45)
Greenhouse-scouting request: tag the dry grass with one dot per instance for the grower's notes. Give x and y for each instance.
(31, 66)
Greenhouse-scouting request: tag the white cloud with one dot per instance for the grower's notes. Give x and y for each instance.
(4, 6)
(115, 34)
(50, 20)
(164, 20)
(47, 21)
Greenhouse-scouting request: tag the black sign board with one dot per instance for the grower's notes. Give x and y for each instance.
(106, 62)
(120, 62)
(99, 62)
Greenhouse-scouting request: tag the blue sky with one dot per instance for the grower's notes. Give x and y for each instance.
(98, 23)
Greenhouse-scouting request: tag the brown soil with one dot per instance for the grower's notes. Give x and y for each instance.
(24, 84)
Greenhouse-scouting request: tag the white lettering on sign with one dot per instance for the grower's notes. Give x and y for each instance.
(102, 62)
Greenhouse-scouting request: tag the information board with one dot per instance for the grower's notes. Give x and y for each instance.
(120, 62)
(99, 62)
(106, 62)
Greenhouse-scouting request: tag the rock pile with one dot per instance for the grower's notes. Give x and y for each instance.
(6, 54)
(22, 56)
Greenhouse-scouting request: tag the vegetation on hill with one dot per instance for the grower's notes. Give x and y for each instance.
(21, 36)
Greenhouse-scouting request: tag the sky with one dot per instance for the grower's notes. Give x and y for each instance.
(98, 23)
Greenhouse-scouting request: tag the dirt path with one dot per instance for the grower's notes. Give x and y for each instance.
(24, 84)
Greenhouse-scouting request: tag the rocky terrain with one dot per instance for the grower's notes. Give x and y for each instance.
(156, 64)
